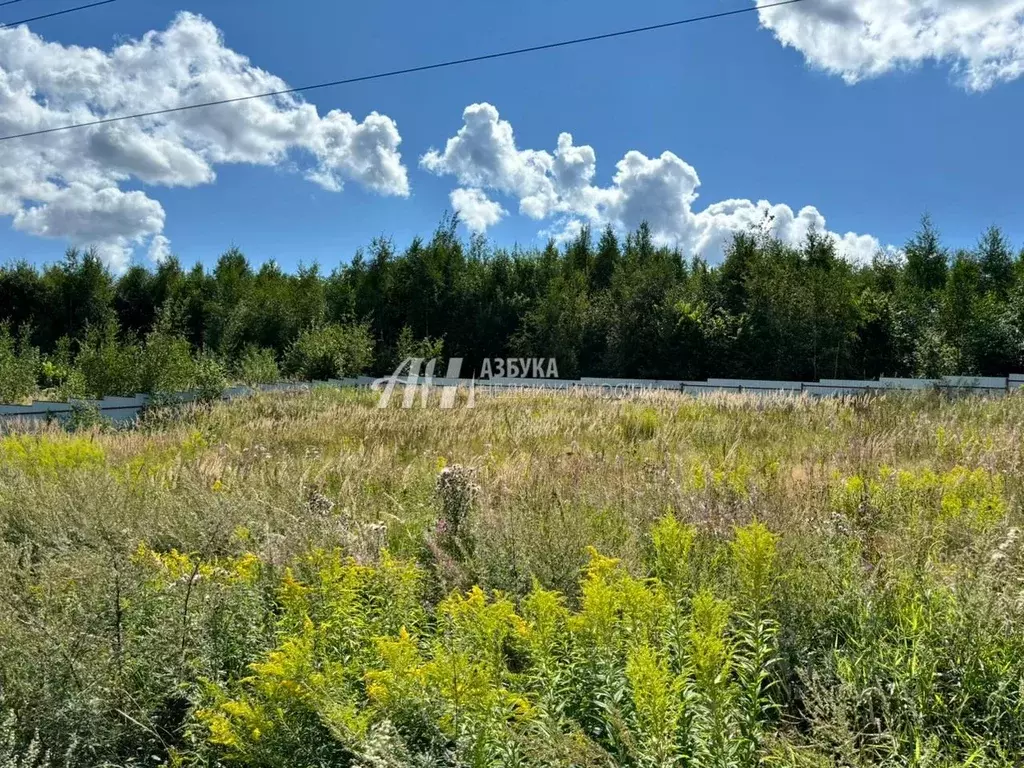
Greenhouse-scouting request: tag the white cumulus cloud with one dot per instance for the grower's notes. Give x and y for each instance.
(72, 185)
(159, 249)
(477, 211)
(981, 40)
(558, 187)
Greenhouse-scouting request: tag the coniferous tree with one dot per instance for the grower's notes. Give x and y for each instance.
(606, 260)
(621, 308)
(22, 296)
(579, 254)
(995, 257)
(927, 261)
(79, 295)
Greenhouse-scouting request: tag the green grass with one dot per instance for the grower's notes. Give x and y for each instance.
(305, 580)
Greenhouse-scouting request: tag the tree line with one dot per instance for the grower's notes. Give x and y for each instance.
(601, 305)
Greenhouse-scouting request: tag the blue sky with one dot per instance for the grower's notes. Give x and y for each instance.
(751, 116)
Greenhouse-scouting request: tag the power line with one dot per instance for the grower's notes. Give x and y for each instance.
(55, 13)
(397, 72)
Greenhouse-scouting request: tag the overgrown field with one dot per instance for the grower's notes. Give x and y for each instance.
(306, 580)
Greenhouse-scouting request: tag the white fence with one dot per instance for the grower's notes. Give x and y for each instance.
(126, 409)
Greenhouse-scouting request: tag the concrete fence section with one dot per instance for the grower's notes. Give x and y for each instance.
(829, 389)
(625, 385)
(127, 409)
(757, 385)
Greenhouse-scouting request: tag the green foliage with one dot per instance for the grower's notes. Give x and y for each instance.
(76, 295)
(659, 704)
(927, 261)
(19, 363)
(108, 365)
(620, 307)
(330, 352)
(49, 457)
(995, 255)
(673, 544)
(778, 582)
(754, 557)
(210, 377)
(58, 371)
(257, 365)
(483, 680)
(167, 364)
(30, 755)
(422, 349)
(84, 417)
(639, 424)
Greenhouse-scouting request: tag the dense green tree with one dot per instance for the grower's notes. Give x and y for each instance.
(579, 255)
(832, 314)
(995, 257)
(135, 301)
(606, 260)
(643, 297)
(960, 300)
(623, 307)
(555, 327)
(22, 295)
(79, 294)
(927, 260)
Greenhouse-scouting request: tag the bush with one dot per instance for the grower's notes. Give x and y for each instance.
(108, 365)
(19, 362)
(331, 351)
(167, 364)
(257, 365)
(85, 417)
(15, 755)
(60, 376)
(354, 653)
(57, 366)
(210, 378)
(424, 349)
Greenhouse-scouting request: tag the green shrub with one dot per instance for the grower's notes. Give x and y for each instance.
(84, 417)
(19, 363)
(424, 349)
(56, 367)
(257, 365)
(110, 366)
(355, 653)
(48, 457)
(73, 386)
(29, 755)
(210, 378)
(167, 364)
(60, 375)
(331, 351)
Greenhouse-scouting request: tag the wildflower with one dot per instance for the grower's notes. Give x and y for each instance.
(458, 492)
(318, 504)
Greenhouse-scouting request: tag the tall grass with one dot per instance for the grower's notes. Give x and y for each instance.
(306, 580)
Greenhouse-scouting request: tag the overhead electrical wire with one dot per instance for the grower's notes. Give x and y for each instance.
(54, 13)
(398, 72)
